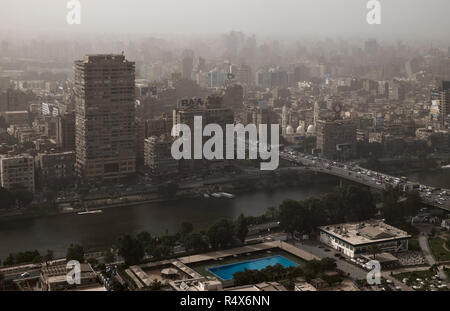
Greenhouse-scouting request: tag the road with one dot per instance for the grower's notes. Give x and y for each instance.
(355, 272)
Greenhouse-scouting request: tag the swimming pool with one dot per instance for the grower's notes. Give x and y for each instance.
(226, 272)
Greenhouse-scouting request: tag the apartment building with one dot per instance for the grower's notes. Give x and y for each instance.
(105, 117)
(17, 171)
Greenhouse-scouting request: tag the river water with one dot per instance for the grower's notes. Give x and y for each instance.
(97, 230)
(439, 178)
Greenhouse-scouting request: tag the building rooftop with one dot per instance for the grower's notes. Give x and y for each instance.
(197, 284)
(304, 287)
(261, 287)
(365, 232)
(103, 57)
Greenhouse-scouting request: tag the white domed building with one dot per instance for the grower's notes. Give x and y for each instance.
(296, 136)
(289, 130)
(311, 130)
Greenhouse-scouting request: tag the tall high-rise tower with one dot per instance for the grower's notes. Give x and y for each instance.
(105, 117)
(445, 104)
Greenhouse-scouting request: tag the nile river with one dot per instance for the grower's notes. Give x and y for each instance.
(96, 230)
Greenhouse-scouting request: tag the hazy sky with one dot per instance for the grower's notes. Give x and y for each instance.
(423, 18)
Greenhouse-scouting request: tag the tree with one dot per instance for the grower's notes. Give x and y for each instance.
(292, 216)
(49, 256)
(109, 256)
(413, 203)
(23, 257)
(374, 250)
(196, 242)
(6, 198)
(328, 264)
(221, 234)
(160, 251)
(358, 202)
(333, 208)
(186, 228)
(131, 249)
(314, 214)
(392, 209)
(272, 213)
(268, 274)
(75, 252)
(145, 238)
(241, 228)
(10, 260)
(117, 287)
(156, 285)
(23, 197)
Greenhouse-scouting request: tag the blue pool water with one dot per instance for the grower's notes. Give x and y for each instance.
(226, 272)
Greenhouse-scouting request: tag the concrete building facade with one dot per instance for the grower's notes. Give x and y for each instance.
(17, 171)
(158, 157)
(336, 139)
(105, 117)
(354, 239)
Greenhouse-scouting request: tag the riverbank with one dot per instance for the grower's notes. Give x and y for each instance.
(94, 231)
(241, 184)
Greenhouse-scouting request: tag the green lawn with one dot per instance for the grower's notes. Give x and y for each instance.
(438, 250)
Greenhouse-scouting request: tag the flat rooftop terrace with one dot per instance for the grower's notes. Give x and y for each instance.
(365, 232)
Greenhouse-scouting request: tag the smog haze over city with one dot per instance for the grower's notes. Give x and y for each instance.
(409, 18)
(209, 148)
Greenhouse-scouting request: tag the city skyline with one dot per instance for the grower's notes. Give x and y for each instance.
(225, 146)
(408, 19)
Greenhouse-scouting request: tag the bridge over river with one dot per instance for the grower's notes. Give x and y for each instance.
(369, 178)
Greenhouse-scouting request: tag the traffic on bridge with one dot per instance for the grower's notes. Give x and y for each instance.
(433, 196)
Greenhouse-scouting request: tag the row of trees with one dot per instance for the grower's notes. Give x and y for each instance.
(308, 270)
(398, 204)
(27, 257)
(346, 204)
(74, 252)
(224, 233)
(15, 197)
